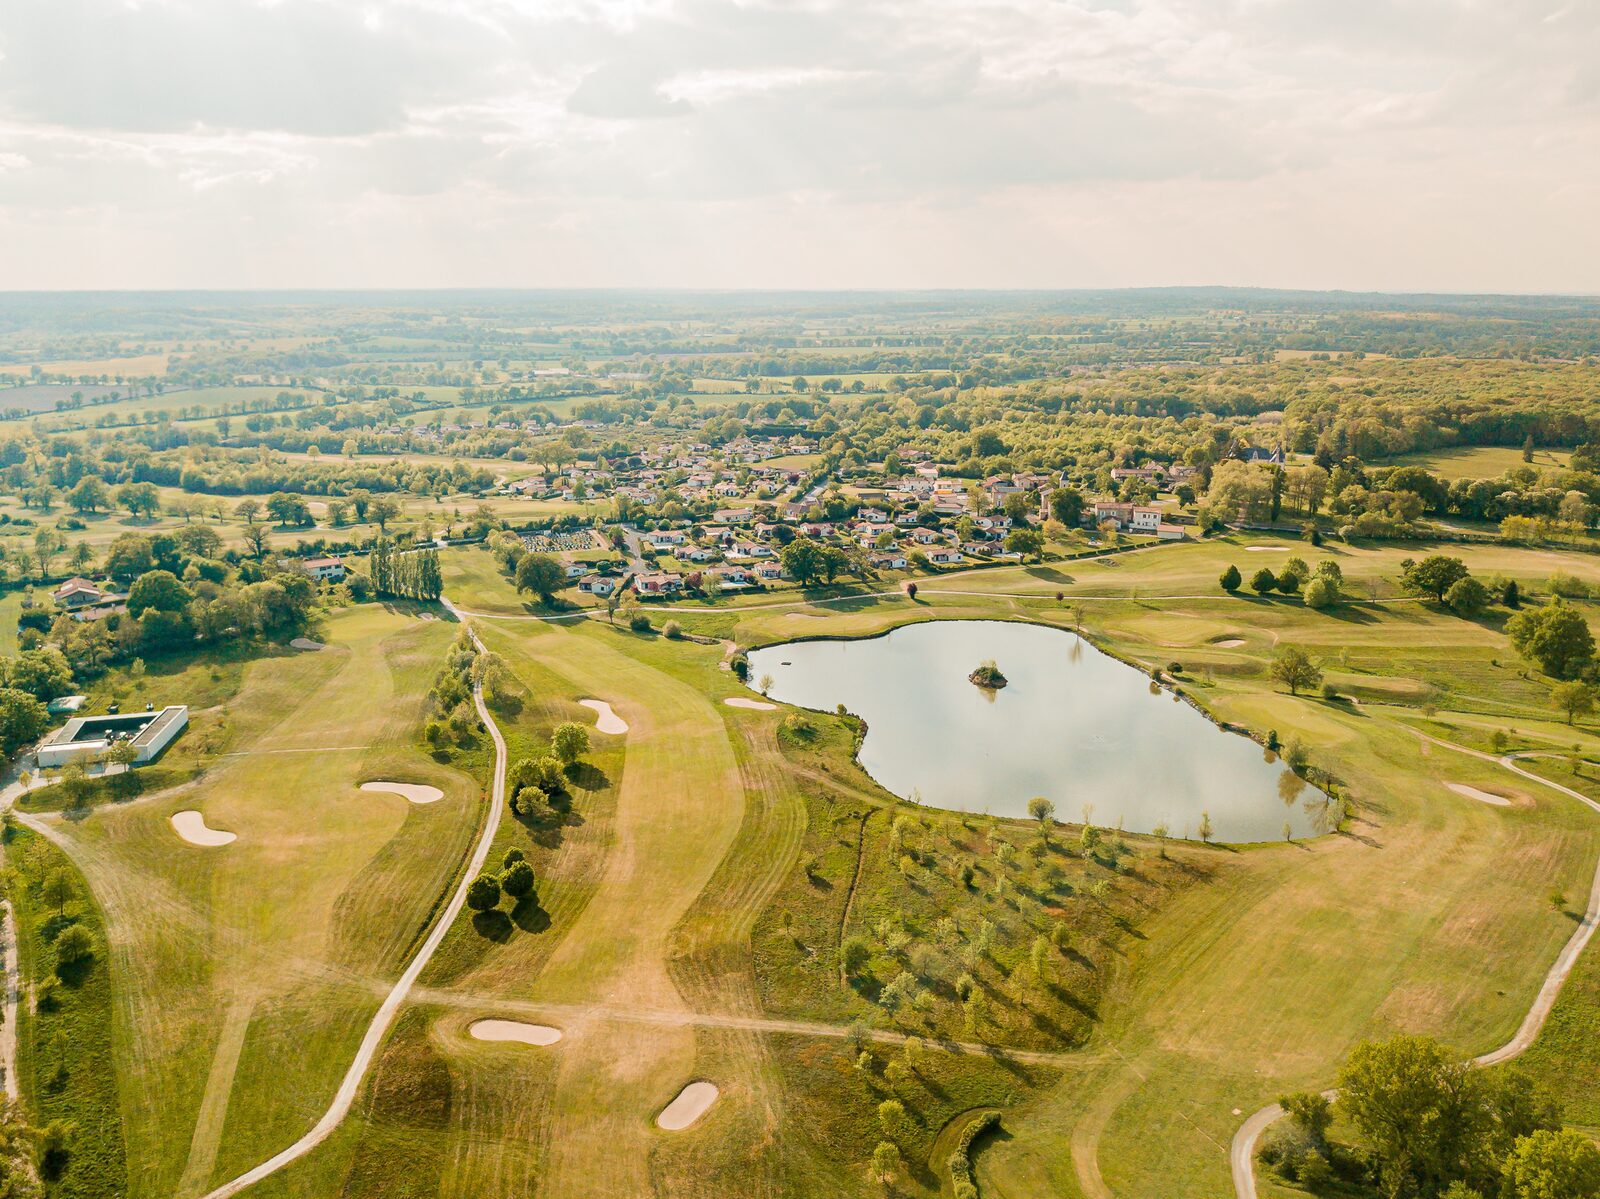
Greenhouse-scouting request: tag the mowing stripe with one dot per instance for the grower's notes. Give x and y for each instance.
(344, 1098)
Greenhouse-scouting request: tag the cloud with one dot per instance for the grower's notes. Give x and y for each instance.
(764, 142)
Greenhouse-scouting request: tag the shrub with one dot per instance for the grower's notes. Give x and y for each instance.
(797, 727)
(1321, 593)
(960, 1159)
(1230, 579)
(1467, 597)
(640, 623)
(673, 630)
(1263, 581)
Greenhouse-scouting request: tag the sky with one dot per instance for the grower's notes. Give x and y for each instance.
(1402, 145)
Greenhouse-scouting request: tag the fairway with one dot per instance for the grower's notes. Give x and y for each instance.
(246, 972)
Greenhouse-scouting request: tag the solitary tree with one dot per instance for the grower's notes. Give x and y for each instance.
(1556, 637)
(1042, 810)
(1576, 698)
(886, 1163)
(542, 574)
(1295, 670)
(58, 890)
(854, 954)
(1205, 829)
(570, 742)
(1231, 578)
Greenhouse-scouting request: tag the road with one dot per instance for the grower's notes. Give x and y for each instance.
(345, 1097)
(1242, 1150)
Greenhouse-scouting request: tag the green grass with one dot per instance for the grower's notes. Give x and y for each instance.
(246, 974)
(1480, 461)
(707, 863)
(63, 1046)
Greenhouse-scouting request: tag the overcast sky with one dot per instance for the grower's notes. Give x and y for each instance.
(1449, 145)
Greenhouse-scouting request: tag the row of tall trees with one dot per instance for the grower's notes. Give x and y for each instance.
(414, 574)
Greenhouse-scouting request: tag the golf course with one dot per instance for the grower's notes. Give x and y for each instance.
(724, 896)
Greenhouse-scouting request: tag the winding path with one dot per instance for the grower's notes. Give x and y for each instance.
(345, 1096)
(1242, 1150)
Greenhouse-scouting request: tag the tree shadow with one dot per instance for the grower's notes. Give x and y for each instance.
(587, 776)
(529, 916)
(74, 974)
(493, 925)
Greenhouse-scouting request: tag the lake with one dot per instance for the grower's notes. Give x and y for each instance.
(1073, 725)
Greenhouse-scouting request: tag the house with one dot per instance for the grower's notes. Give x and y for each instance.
(664, 538)
(88, 736)
(889, 560)
(576, 570)
(324, 570)
(658, 583)
(1264, 456)
(769, 570)
(597, 585)
(78, 593)
(1170, 532)
(945, 557)
(1126, 518)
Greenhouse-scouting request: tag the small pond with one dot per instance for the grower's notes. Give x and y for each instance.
(1073, 725)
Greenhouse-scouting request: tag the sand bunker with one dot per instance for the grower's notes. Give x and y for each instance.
(514, 1030)
(1229, 643)
(1499, 801)
(305, 643)
(415, 792)
(755, 705)
(1266, 549)
(191, 826)
(692, 1103)
(609, 721)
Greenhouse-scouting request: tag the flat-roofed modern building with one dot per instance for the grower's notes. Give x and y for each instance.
(85, 736)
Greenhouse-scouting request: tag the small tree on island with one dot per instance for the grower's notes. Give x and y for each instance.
(1294, 669)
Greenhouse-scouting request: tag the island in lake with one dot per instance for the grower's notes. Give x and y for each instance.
(988, 676)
